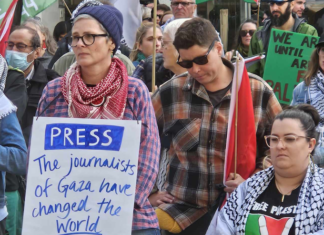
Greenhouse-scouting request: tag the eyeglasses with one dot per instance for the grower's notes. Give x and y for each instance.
(201, 60)
(20, 46)
(184, 4)
(243, 33)
(87, 39)
(148, 19)
(279, 4)
(272, 141)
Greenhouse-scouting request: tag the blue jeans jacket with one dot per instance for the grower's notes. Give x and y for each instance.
(13, 151)
(301, 96)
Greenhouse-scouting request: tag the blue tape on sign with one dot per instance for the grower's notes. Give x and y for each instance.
(83, 136)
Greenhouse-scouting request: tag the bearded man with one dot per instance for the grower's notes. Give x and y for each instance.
(281, 17)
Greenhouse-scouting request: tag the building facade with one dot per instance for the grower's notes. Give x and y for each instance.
(237, 12)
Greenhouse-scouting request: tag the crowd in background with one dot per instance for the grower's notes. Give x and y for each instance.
(84, 69)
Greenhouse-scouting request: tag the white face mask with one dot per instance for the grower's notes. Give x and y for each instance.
(18, 60)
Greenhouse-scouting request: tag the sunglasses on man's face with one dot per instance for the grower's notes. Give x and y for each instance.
(200, 60)
(279, 4)
(148, 19)
(184, 4)
(243, 33)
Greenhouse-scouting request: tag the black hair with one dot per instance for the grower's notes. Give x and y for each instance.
(62, 27)
(306, 114)
(146, 2)
(267, 12)
(162, 7)
(35, 40)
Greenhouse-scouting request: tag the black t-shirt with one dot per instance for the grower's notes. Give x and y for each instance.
(216, 96)
(269, 215)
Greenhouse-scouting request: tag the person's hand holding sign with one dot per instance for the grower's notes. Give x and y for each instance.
(231, 183)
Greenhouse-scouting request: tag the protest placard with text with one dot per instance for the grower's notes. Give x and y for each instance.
(81, 176)
(287, 61)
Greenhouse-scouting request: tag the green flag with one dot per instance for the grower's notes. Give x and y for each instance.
(30, 7)
(201, 1)
(4, 5)
(251, 1)
(33, 7)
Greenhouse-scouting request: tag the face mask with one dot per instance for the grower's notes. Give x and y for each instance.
(18, 60)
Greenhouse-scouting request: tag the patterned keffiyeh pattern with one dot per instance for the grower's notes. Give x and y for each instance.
(316, 94)
(310, 209)
(6, 107)
(112, 91)
(84, 3)
(3, 73)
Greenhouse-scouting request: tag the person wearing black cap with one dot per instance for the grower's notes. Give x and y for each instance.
(281, 17)
(97, 86)
(311, 91)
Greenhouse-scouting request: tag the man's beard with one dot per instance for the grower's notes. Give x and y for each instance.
(282, 19)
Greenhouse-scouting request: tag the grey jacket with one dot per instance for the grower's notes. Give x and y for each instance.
(301, 96)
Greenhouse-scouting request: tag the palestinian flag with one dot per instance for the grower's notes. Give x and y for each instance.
(262, 224)
(246, 133)
(5, 26)
(252, 1)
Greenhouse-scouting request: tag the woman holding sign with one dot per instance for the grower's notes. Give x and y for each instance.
(311, 91)
(97, 86)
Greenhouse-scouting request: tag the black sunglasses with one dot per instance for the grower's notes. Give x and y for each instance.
(201, 60)
(243, 33)
(185, 4)
(277, 3)
(148, 19)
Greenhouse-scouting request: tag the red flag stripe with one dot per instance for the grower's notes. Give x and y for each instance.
(6, 26)
(246, 135)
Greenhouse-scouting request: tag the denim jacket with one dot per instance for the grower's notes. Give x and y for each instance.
(13, 151)
(301, 96)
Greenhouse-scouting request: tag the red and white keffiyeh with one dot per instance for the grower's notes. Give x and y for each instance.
(112, 90)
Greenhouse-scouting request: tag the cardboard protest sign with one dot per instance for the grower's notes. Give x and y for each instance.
(287, 61)
(81, 176)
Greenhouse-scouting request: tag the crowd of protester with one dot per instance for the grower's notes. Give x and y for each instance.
(85, 70)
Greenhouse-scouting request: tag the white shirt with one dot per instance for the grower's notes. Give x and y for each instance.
(31, 74)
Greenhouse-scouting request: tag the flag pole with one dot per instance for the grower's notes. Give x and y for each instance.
(154, 44)
(258, 17)
(67, 7)
(236, 114)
